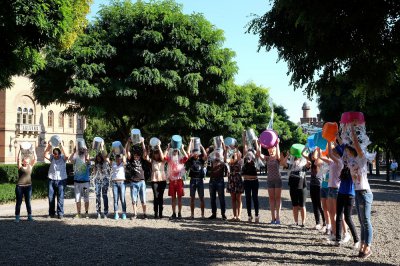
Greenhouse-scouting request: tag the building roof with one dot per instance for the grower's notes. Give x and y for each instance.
(305, 106)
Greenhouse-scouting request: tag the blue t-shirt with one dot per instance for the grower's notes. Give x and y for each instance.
(347, 185)
(81, 169)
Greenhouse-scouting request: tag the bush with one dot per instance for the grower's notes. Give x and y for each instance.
(8, 173)
(39, 191)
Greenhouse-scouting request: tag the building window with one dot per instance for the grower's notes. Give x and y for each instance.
(61, 120)
(30, 116)
(71, 146)
(79, 122)
(24, 115)
(71, 121)
(50, 119)
(19, 114)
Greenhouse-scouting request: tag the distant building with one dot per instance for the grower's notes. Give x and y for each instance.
(22, 119)
(310, 124)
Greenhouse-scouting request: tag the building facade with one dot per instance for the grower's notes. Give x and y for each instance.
(22, 119)
(309, 124)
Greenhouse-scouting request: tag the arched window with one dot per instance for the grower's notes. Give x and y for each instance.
(50, 119)
(71, 121)
(19, 114)
(30, 116)
(71, 146)
(24, 115)
(79, 122)
(61, 120)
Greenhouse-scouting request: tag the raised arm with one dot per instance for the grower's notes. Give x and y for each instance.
(332, 156)
(166, 151)
(183, 151)
(354, 138)
(189, 148)
(47, 151)
(34, 158)
(204, 153)
(144, 155)
(71, 157)
(303, 153)
(258, 151)
(127, 153)
(278, 150)
(63, 151)
(18, 158)
(244, 143)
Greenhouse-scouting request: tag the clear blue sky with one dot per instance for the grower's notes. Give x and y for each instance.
(260, 67)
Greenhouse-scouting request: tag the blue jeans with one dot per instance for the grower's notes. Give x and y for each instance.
(363, 204)
(138, 189)
(20, 192)
(197, 184)
(101, 190)
(56, 188)
(119, 193)
(217, 185)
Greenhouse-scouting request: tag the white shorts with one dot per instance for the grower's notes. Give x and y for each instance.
(81, 190)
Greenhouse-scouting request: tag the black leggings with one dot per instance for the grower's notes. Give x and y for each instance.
(315, 193)
(251, 192)
(158, 194)
(345, 204)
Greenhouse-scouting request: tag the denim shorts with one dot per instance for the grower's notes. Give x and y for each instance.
(197, 184)
(138, 189)
(333, 193)
(324, 192)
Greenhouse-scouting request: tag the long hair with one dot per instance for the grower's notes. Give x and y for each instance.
(153, 157)
(99, 155)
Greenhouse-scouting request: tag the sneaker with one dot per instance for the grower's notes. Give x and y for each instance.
(212, 217)
(346, 238)
(277, 222)
(224, 217)
(301, 225)
(294, 225)
(156, 215)
(257, 220)
(338, 243)
(234, 219)
(77, 216)
(250, 219)
(144, 216)
(50, 216)
(173, 216)
(331, 238)
(105, 216)
(16, 219)
(356, 245)
(179, 216)
(87, 215)
(60, 217)
(318, 227)
(134, 217)
(116, 216)
(98, 216)
(30, 218)
(124, 216)
(273, 222)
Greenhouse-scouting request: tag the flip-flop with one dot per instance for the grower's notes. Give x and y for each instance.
(366, 255)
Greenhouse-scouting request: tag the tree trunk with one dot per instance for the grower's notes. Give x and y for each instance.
(387, 164)
(377, 162)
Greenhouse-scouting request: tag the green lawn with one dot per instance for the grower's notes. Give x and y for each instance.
(7, 191)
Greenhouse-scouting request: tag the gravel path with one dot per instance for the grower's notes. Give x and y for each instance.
(198, 241)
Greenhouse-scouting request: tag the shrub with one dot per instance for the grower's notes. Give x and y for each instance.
(8, 173)
(39, 191)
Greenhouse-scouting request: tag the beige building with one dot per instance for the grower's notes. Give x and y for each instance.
(23, 119)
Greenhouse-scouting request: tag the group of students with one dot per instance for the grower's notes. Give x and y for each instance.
(332, 192)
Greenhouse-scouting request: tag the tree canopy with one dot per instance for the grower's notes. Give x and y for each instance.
(322, 39)
(27, 26)
(147, 62)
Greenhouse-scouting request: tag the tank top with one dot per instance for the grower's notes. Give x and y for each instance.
(158, 171)
(24, 176)
(273, 170)
(249, 168)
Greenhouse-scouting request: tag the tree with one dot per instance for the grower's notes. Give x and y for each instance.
(322, 39)
(27, 26)
(143, 65)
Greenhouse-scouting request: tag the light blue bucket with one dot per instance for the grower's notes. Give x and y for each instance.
(230, 142)
(319, 141)
(310, 142)
(176, 142)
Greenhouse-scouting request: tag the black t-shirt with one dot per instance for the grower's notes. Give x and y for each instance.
(134, 171)
(218, 171)
(196, 167)
(249, 168)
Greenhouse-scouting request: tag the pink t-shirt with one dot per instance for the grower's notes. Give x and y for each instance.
(176, 169)
(334, 173)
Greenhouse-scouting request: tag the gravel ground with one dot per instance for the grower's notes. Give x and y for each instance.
(198, 241)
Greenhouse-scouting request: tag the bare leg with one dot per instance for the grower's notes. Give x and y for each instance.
(303, 215)
(78, 207)
(271, 194)
(239, 205)
(144, 208)
(173, 203)
(234, 208)
(332, 214)
(296, 214)
(134, 207)
(179, 204)
(86, 206)
(326, 212)
(278, 203)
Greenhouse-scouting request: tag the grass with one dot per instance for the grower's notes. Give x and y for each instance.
(39, 191)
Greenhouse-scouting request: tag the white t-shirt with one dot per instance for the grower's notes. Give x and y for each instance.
(118, 171)
(334, 173)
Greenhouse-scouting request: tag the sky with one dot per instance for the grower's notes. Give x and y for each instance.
(259, 67)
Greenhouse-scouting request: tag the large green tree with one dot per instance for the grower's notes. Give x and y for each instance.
(321, 39)
(27, 26)
(144, 65)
